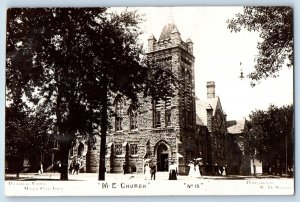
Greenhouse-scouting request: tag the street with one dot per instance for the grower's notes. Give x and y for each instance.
(131, 176)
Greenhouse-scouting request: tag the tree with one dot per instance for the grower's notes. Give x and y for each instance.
(275, 25)
(71, 60)
(122, 69)
(44, 62)
(271, 136)
(26, 134)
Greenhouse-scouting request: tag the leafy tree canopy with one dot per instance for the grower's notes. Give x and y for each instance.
(271, 134)
(275, 25)
(70, 59)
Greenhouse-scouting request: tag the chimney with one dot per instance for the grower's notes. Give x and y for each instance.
(210, 89)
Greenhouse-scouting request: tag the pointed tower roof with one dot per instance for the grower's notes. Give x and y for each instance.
(167, 30)
(151, 36)
(175, 30)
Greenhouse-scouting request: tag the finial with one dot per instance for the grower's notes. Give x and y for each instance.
(170, 16)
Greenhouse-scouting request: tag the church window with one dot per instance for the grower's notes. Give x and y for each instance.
(118, 148)
(157, 114)
(157, 119)
(168, 117)
(168, 111)
(133, 119)
(188, 100)
(133, 149)
(119, 113)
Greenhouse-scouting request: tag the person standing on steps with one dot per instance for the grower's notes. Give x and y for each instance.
(153, 171)
(147, 172)
(124, 167)
(173, 171)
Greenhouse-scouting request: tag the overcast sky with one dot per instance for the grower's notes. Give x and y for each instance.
(218, 54)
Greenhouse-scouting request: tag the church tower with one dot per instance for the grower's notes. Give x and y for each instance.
(177, 54)
(158, 131)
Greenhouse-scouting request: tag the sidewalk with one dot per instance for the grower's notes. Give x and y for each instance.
(131, 176)
(87, 176)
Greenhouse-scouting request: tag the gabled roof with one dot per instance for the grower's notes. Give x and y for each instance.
(167, 30)
(199, 121)
(201, 106)
(236, 127)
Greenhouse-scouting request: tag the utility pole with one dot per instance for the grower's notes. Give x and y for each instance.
(286, 168)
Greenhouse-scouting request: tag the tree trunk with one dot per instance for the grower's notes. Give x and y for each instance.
(103, 123)
(64, 157)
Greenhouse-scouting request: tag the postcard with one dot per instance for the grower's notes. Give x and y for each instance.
(144, 101)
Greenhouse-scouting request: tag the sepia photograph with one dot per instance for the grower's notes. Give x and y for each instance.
(141, 101)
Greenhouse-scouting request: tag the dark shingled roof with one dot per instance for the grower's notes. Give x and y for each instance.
(236, 127)
(201, 105)
(166, 32)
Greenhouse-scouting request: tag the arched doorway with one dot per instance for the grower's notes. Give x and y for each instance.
(162, 157)
(80, 150)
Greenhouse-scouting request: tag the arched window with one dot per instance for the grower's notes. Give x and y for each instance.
(119, 113)
(188, 96)
(168, 111)
(118, 149)
(133, 118)
(133, 149)
(157, 107)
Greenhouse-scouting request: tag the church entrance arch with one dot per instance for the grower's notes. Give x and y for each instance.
(163, 154)
(80, 149)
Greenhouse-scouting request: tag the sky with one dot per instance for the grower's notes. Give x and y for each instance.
(218, 54)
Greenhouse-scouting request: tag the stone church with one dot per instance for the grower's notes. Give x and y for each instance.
(158, 131)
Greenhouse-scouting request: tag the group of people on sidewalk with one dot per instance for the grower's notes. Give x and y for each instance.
(150, 171)
(74, 166)
(194, 170)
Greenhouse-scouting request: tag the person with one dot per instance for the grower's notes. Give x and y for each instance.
(197, 170)
(221, 169)
(224, 170)
(173, 171)
(57, 166)
(41, 170)
(71, 168)
(166, 165)
(147, 172)
(192, 169)
(153, 172)
(202, 168)
(124, 167)
(77, 166)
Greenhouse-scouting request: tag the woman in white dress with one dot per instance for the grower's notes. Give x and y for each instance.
(197, 170)
(147, 172)
(192, 169)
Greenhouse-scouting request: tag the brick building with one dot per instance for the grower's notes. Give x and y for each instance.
(161, 130)
(239, 150)
(212, 131)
